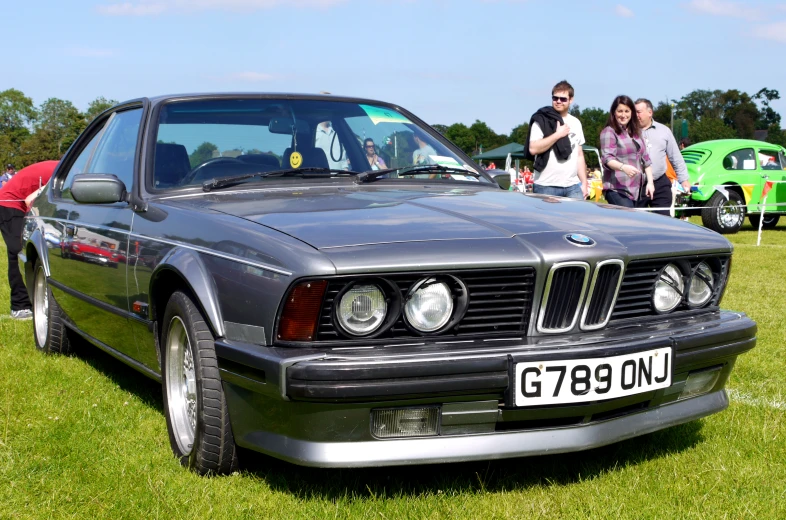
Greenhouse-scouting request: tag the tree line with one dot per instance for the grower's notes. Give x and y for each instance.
(30, 134)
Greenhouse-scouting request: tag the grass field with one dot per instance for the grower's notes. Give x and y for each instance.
(85, 437)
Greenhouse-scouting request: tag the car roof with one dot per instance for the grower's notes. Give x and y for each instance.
(260, 95)
(725, 144)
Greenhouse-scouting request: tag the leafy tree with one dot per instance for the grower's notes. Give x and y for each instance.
(709, 128)
(460, 135)
(203, 152)
(775, 135)
(485, 136)
(97, 106)
(442, 129)
(16, 110)
(593, 120)
(767, 116)
(662, 113)
(519, 134)
(739, 112)
(59, 123)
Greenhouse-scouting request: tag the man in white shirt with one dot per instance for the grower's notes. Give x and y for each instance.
(328, 141)
(554, 141)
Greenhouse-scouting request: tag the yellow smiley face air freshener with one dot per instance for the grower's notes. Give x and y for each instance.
(295, 160)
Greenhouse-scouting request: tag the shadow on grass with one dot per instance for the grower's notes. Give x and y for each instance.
(129, 380)
(500, 475)
(508, 474)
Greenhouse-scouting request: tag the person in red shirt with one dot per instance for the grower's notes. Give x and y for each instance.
(15, 197)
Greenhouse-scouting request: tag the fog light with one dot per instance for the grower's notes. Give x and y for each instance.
(700, 382)
(404, 422)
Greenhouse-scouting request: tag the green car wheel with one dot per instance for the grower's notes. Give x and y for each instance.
(722, 215)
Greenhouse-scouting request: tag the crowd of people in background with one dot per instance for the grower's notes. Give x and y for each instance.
(641, 164)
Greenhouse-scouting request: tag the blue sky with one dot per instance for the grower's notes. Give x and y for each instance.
(446, 60)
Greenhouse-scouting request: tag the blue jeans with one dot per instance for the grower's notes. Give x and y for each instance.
(572, 192)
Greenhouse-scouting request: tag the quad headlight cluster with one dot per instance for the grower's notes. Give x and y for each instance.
(674, 287)
(367, 308)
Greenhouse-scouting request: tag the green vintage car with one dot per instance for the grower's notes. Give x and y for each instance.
(742, 166)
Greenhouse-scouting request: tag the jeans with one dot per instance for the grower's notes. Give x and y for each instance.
(572, 192)
(617, 199)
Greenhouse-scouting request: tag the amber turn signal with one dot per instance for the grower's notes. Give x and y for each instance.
(301, 312)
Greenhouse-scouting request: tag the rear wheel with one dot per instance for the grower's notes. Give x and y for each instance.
(196, 411)
(724, 215)
(770, 221)
(51, 335)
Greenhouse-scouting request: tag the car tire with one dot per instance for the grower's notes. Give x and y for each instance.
(770, 221)
(195, 406)
(724, 215)
(49, 330)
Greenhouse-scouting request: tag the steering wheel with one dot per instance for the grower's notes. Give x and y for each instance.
(192, 175)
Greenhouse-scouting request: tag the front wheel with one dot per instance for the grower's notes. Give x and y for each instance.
(194, 402)
(770, 221)
(49, 330)
(724, 215)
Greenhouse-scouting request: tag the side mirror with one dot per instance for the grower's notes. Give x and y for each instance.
(98, 188)
(501, 177)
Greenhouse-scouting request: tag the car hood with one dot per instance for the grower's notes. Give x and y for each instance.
(328, 218)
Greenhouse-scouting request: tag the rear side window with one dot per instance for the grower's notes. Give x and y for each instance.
(744, 159)
(116, 150)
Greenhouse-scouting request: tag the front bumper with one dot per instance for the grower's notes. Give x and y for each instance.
(313, 407)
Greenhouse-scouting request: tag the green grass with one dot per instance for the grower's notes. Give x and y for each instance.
(84, 437)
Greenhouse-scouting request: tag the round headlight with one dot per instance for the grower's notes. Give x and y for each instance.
(362, 309)
(429, 308)
(669, 289)
(702, 284)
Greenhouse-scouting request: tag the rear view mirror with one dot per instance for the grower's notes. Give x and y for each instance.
(282, 125)
(98, 188)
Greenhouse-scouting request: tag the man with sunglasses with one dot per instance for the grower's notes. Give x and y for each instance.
(554, 143)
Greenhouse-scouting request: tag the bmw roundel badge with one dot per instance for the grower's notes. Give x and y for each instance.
(577, 239)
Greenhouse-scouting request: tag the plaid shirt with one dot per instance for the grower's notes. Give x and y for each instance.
(627, 150)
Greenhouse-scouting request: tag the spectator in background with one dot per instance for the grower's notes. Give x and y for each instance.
(624, 155)
(15, 198)
(375, 162)
(554, 143)
(662, 149)
(327, 140)
(9, 172)
(684, 143)
(423, 152)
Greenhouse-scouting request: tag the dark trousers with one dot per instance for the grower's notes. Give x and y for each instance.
(12, 222)
(661, 198)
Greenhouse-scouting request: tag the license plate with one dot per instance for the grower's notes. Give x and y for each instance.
(581, 380)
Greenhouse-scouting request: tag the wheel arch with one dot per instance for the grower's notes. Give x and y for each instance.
(183, 269)
(35, 249)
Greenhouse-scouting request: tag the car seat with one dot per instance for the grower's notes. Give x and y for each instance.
(171, 165)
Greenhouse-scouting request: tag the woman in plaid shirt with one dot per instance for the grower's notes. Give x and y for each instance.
(624, 154)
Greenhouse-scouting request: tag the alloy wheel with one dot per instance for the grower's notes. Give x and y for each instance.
(730, 214)
(41, 307)
(181, 385)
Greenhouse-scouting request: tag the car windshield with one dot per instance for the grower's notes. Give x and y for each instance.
(207, 140)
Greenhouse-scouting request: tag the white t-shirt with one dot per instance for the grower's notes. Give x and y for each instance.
(560, 173)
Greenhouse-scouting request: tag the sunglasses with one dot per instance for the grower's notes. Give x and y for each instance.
(559, 98)
(369, 146)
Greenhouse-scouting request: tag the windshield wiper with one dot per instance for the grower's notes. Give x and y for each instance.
(412, 170)
(223, 182)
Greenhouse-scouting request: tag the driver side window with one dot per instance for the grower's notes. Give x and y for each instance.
(79, 165)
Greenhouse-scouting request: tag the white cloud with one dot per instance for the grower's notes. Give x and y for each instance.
(88, 52)
(773, 31)
(155, 7)
(724, 8)
(624, 12)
